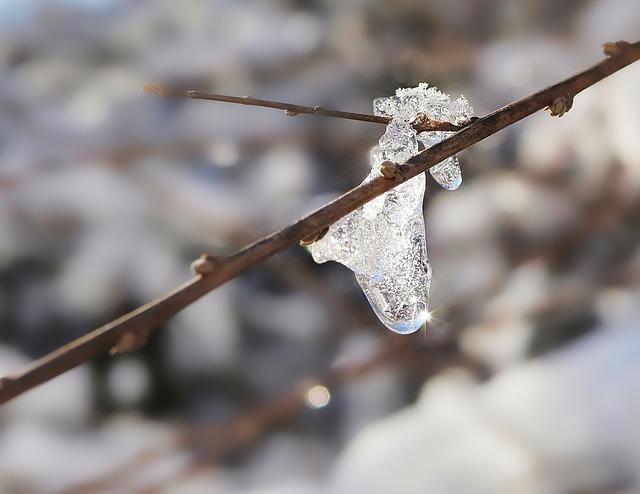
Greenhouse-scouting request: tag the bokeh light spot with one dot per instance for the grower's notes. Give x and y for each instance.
(317, 396)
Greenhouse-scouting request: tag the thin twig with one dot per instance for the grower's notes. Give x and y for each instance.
(213, 442)
(421, 124)
(131, 330)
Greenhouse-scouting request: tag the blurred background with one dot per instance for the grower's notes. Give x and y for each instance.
(283, 381)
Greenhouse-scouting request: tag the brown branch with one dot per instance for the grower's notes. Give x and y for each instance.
(212, 442)
(421, 124)
(132, 329)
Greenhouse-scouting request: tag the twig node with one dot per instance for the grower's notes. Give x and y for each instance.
(314, 237)
(130, 341)
(560, 106)
(614, 48)
(388, 169)
(205, 264)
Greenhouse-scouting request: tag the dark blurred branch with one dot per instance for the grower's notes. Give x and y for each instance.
(421, 124)
(132, 330)
(213, 442)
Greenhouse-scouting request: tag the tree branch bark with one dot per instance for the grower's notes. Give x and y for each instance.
(421, 124)
(131, 330)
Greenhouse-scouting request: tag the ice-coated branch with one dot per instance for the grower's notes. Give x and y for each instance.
(421, 124)
(132, 330)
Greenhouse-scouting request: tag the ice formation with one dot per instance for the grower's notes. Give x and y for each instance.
(383, 242)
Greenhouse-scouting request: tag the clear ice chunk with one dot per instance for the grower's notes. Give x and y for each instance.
(383, 242)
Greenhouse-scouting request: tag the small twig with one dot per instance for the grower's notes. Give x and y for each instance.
(215, 441)
(421, 124)
(146, 318)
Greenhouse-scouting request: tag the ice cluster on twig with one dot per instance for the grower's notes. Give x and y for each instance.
(383, 242)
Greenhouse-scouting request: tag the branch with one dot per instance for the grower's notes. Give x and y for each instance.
(210, 443)
(421, 124)
(213, 442)
(131, 331)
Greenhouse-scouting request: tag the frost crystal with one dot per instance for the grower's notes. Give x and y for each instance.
(383, 242)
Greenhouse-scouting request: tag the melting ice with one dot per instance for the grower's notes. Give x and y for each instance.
(383, 242)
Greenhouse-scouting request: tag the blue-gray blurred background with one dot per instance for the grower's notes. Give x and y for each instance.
(528, 378)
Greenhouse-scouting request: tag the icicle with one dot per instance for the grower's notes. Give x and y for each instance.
(383, 242)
